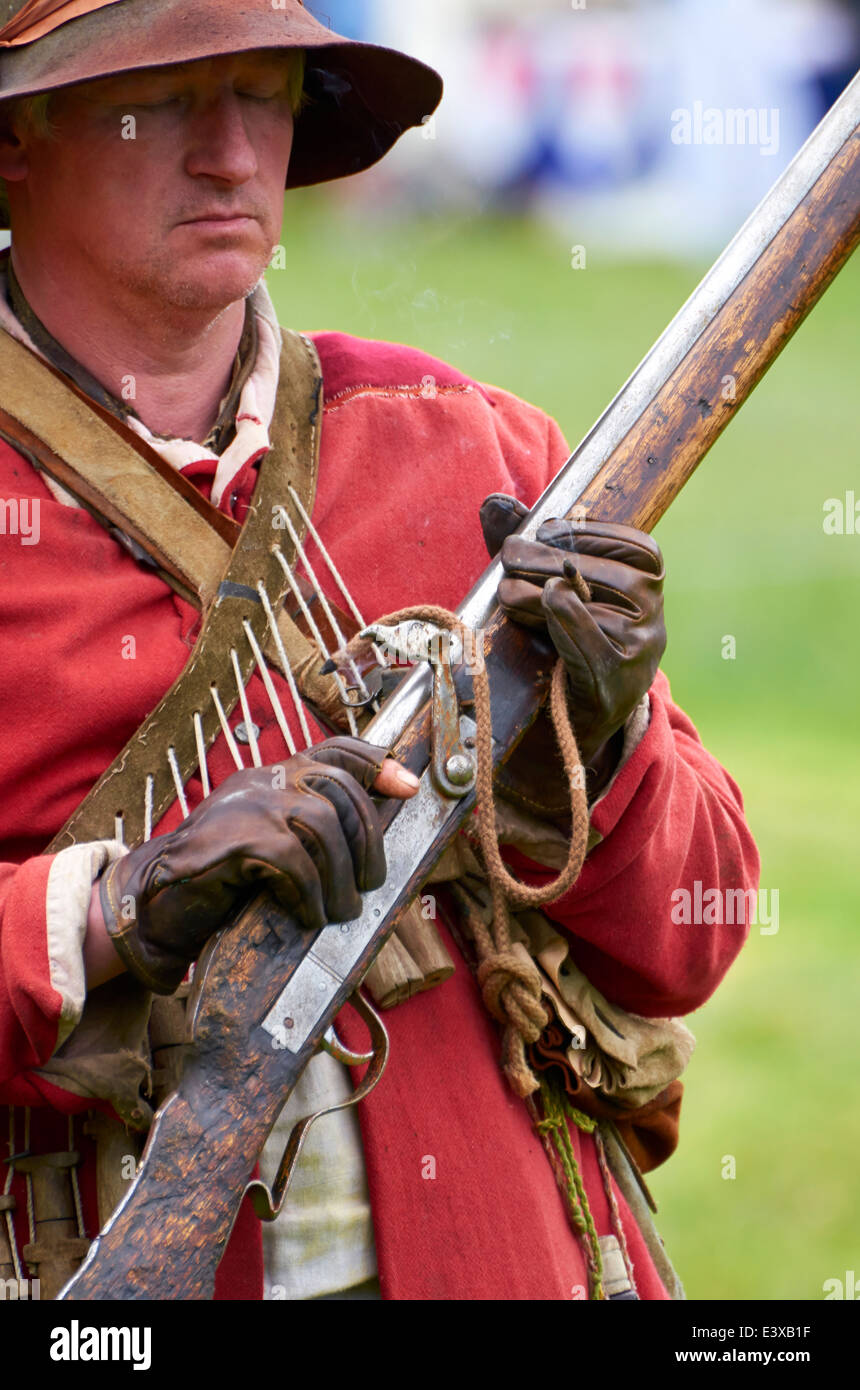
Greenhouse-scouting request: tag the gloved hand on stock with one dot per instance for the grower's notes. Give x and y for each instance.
(612, 645)
(306, 829)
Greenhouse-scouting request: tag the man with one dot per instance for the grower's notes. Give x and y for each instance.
(144, 204)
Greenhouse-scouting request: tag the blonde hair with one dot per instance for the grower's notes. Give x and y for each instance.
(296, 80)
(31, 115)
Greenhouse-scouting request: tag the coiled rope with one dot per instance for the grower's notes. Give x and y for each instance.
(509, 980)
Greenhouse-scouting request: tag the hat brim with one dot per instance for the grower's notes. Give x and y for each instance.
(359, 101)
(359, 97)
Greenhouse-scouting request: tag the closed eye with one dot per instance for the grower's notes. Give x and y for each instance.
(264, 95)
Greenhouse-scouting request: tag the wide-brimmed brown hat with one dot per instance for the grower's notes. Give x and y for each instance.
(360, 98)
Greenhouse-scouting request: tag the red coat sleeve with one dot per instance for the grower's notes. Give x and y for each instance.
(672, 819)
(30, 1006)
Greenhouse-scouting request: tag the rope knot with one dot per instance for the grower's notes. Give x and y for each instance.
(510, 984)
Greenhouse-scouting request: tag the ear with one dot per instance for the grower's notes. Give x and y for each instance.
(14, 164)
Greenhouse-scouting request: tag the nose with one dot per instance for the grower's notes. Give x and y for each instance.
(219, 145)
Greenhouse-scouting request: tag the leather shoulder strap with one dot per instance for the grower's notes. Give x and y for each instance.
(118, 477)
(139, 785)
(115, 474)
(107, 467)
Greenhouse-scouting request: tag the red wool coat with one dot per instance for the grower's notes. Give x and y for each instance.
(409, 450)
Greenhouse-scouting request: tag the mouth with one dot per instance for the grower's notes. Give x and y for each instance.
(219, 220)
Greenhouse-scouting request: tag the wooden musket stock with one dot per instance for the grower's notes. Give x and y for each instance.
(167, 1236)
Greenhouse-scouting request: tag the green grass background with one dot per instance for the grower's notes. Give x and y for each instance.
(774, 1078)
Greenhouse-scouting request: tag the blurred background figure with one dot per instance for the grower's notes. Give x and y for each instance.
(575, 108)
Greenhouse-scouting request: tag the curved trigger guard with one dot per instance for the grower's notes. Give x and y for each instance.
(332, 1044)
(268, 1201)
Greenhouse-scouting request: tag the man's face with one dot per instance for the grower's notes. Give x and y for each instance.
(168, 182)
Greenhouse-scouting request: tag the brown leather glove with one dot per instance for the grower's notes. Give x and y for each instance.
(306, 828)
(612, 645)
